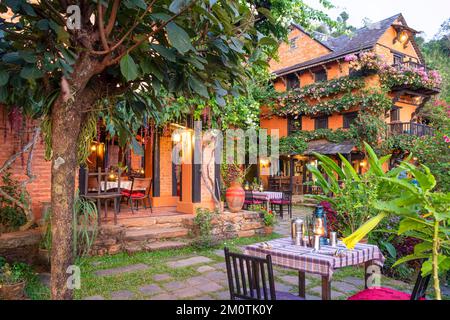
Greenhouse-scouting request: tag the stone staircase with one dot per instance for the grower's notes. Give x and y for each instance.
(156, 233)
(145, 234)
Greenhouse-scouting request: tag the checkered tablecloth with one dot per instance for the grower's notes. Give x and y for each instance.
(267, 195)
(285, 254)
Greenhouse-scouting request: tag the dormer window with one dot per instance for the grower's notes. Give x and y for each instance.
(292, 81)
(293, 43)
(398, 59)
(320, 76)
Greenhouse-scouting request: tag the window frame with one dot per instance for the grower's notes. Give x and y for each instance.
(396, 112)
(291, 121)
(317, 122)
(293, 43)
(289, 77)
(348, 118)
(322, 71)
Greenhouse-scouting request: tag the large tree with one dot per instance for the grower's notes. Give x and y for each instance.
(63, 63)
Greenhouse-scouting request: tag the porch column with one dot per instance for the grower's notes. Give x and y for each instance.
(156, 166)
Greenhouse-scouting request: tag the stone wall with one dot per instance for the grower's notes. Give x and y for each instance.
(241, 224)
(20, 246)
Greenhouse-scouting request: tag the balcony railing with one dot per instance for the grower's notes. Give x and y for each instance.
(410, 128)
(410, 64)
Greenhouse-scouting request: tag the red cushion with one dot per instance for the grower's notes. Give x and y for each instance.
(125, 193)
(137, 195)
(380, 294)
(253, 202)
(279, 201)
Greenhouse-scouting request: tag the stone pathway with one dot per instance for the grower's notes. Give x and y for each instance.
(208, 279)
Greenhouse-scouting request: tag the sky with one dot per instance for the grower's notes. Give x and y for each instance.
(422, 15)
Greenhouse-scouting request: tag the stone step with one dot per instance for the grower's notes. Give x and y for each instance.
(158, 222)
(133, 234)
(154, 246)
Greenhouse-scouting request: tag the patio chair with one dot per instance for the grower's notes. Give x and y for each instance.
(382, 293)
(95, 189)
(250, 200)
(251, 278)
(140, 191)
(284, 203)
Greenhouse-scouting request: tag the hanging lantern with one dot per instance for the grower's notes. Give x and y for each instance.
(320, 224)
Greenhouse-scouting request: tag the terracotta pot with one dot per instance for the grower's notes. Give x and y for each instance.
(12, 291)
(235, 197)
(268, 229)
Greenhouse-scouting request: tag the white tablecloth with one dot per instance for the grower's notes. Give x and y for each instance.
(268, 195)
(115, 185)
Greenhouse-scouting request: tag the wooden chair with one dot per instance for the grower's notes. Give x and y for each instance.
(282, 204)
(250, 200)
(251, 278)
(382, 293)
(95, 189)
(140, 191)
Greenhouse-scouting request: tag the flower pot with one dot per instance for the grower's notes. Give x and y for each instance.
(14, 291)
(235, 197)
(268, 230)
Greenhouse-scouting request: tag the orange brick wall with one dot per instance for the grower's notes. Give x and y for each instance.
(166, 166)
(307, 49)
(39, 189)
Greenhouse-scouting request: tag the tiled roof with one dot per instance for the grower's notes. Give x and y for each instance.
(361, 39)
(325, 147)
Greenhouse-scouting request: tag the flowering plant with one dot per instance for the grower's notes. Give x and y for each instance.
(268, 217)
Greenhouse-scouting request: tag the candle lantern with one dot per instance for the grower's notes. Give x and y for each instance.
(246, 186)
(320, 224)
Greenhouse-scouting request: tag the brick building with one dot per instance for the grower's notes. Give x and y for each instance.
(309, 63)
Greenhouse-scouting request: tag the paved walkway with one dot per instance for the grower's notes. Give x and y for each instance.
(208, 279)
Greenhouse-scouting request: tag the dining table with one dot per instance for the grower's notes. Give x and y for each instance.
(323, 262)
(124, 184)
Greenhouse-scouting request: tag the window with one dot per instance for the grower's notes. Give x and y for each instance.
(395, 114)
(293, 43)
(292, 81)
(321, 123)
(294, 124)
(398, 59)
(320, 76)
(349, 118)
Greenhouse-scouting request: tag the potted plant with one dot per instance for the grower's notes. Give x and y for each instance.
(269, 221)
(12, 283)
(235, 195)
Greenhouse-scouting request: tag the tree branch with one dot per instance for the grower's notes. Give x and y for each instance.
(101, 26)
(112, 17)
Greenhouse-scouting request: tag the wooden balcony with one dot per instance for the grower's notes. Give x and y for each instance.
(410, 128)
(414, 90)
(410, 64)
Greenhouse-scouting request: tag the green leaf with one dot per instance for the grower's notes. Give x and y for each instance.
(177, 5)
(179, 38)
(196, 85)
(30, 72)
(422, 247)
(409, 224)
(128, 68)
(390, 249)
(403, 184)
(164, 52)
(4, 77)
(410, 258)
(43, 24)
(3, 94)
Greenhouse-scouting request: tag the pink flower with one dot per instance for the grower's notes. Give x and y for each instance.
(446, 139)
(350, 57)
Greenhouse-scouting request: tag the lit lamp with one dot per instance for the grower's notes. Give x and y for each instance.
(93, 148)
(362, 164)
(261, 187)
(246, 186)
(403, 37)
(320, 224)
(176, 137)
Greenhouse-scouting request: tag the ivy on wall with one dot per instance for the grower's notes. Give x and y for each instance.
(372, 100)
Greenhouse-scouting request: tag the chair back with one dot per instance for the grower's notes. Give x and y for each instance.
(249, 195)
(287, 196)
(97, 182)
(143, 184)
(420, 287)
(249, 278)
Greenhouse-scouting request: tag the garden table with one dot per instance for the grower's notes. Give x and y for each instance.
(267, 195)
(323, 262)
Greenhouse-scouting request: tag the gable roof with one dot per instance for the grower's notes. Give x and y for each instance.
(323, 43)
(362, 39)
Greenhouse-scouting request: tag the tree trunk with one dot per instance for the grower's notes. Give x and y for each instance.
(66, 127)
